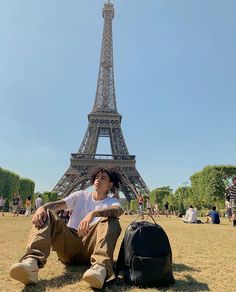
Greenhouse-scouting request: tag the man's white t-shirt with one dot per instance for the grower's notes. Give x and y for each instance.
(38, 202)
(191, 215)
(82, 202)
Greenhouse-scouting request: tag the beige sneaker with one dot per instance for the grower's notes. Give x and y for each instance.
(25, 272)
(95, 276)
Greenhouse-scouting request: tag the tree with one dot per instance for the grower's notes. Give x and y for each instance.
(50, 197)
(158, 195)
(133, 205)
(2, 180)
(26, 188)
(208, 185)
(183, 199)
(11, 183)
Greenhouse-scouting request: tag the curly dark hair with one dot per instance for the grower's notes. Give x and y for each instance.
(114, 177)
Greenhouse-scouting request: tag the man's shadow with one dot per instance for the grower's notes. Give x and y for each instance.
(189, 283)
(71, 275)
(74, 274)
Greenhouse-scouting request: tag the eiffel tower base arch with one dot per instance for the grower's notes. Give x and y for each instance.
(77, 177)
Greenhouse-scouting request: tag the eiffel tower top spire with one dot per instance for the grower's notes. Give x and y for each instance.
(105, 100)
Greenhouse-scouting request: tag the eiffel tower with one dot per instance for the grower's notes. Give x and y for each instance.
(104, 121)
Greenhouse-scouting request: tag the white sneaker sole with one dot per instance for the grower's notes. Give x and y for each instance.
(22, 275)
(93, 281)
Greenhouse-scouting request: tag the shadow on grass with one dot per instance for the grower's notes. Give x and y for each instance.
(71, 275)
(183, 268)
(189, 284)
(74, 274)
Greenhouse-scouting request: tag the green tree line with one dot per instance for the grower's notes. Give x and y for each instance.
(11, 183)
(207, 188)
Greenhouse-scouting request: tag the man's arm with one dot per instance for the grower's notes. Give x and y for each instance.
(111, 211)
(40, 215)
(55, 206)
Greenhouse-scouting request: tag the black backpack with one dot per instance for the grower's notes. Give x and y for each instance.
(145, 257)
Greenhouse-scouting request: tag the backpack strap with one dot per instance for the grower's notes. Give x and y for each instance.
(143, 218)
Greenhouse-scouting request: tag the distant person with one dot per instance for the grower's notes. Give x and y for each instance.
(148, 206)
(38, 202)
(140, 204)
(20, 209)
(191, 215)
(228, 208)
(128, 212)
(166, 208)
(28, 206)
(2, 203)
(156, 210)
(64, 215)
(15, 205)
(231, 192)
(213, 216)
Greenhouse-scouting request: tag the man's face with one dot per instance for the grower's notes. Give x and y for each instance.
(234, 181)
(102, 182)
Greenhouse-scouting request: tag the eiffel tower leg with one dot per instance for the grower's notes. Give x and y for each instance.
(132, 183)
(75, 179)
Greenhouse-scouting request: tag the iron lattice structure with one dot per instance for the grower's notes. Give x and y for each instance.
(104, 121)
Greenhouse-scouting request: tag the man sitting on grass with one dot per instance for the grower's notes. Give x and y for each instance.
(213, 216)
(191, 215)
(91, 234)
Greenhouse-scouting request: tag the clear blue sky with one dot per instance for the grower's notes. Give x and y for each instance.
(175, 76)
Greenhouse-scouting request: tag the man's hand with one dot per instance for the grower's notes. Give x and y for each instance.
(112, 211)
(40, 217)
(83, 228)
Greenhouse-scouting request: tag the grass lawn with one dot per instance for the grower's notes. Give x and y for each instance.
(204, 258)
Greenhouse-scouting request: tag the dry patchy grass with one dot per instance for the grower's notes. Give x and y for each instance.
(204, 257)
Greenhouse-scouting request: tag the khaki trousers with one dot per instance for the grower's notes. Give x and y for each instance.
(97, 247)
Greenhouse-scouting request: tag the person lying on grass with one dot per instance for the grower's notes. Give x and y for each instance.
(90, 235)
